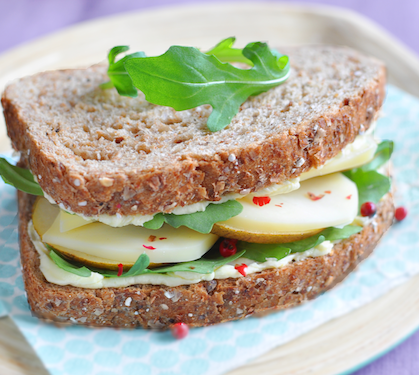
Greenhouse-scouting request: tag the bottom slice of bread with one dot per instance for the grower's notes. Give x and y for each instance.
(201, 304)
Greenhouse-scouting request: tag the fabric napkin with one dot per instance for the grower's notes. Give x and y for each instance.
(215, 350)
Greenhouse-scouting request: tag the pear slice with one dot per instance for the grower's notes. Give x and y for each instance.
(43, 215)
(125, 244)
(101, 246)
(93, 261)
(90, 260)
(321, 202)
(223, 230)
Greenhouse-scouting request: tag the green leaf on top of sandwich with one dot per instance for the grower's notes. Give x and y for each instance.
(185, 77)
(199, 221)
(260, 252)
(20, 178)
(225, 52)
(118, 76)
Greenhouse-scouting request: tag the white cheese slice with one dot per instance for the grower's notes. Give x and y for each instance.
(276, 189)
(333, 202)
(359, 152)
(126, 244)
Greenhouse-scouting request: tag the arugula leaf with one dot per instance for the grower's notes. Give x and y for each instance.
(156, 222)
(260, 252)
(372, 186)
(381, 156)
(139, 268)
(224, 52)
(335, 234)
(203, 221)
(184, 78)
(203, 265)
(20, 178)
(66, 266)
(119, 77)
(199, 221)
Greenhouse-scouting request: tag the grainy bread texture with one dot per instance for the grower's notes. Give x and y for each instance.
(99, 153)
(205, 303)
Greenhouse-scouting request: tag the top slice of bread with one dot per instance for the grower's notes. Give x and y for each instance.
(100, 153)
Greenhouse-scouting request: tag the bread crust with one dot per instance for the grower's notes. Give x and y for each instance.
(201, 304)
(294, 147)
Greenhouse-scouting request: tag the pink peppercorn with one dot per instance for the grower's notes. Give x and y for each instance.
(368, 209)
(228, 247)
(400, 213)
(180, 330)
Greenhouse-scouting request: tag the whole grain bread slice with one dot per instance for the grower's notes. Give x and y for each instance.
(99, 153)
(201, 304)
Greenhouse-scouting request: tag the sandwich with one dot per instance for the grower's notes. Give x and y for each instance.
(135, 213)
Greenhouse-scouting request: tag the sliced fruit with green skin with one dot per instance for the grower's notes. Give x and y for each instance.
(101, 246)
(97, 262)
(43, 215)
(319, 203)
(90, 260)
(125, 244)
(223, 230)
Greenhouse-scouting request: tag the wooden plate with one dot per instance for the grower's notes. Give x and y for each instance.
(337, 347)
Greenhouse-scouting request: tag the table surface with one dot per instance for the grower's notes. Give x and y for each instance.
(25, 20)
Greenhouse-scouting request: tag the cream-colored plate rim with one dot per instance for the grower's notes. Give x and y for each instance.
(342, 344)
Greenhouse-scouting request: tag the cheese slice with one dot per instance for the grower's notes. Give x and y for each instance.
(358, 153)
(320, 202)
(277, 189)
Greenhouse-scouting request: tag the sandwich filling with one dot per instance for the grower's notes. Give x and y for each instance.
(274, 228)
(353, 155)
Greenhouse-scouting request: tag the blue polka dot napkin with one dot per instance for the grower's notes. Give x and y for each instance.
(215, 350)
